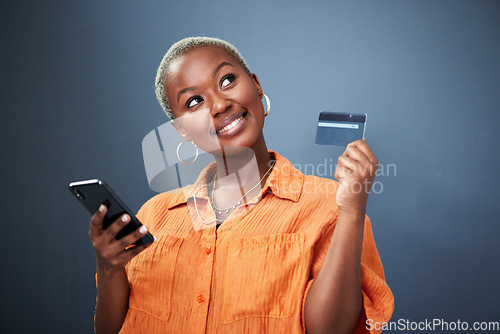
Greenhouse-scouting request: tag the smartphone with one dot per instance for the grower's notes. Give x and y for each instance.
(340, 129)
(93, 193)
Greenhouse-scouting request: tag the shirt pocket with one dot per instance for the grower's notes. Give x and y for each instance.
(263, 276)
(151, 275)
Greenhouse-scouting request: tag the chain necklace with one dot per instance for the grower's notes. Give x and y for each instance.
(196, 208)
(231, 207)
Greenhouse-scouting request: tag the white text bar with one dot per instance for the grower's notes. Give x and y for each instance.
(339, 125)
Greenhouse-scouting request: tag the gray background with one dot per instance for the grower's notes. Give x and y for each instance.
(77, 100)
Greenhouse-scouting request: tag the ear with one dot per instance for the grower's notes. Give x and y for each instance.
(180, 129)
(257, 84)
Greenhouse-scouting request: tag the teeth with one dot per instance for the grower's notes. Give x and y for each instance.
(231, 125)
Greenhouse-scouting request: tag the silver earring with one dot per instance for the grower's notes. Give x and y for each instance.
(178, 156)
(268, 105)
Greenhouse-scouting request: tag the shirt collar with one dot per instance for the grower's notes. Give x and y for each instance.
(285, 181)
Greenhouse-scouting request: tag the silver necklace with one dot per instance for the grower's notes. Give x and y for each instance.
(196, 208)
(232, 207)
(227, 209)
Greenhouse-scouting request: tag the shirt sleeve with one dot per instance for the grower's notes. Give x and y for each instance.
(378, 300)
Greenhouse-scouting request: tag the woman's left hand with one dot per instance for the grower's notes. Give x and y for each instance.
(355, 172)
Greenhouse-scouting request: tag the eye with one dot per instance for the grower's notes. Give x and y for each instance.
(227, 80)
(193, 101)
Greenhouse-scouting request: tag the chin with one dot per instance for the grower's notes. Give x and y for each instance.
(236, 150)
(245, 140)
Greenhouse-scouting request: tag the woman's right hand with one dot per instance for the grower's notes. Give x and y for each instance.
(112, 254)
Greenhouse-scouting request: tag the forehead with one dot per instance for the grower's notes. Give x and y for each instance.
(198, 62)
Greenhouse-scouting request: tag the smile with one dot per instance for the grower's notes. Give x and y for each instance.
(230, 126)
(234, 127)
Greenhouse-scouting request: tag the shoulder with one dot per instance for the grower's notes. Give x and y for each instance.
(319, 192)
(291, 183)
(319, 186)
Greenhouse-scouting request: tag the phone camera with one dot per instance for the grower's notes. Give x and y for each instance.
(78, 194)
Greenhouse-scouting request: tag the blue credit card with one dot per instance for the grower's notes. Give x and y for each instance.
(340, 129)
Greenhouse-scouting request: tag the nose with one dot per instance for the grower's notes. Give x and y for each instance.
(220, 105)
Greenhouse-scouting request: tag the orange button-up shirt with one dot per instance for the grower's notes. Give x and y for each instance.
(253, 272)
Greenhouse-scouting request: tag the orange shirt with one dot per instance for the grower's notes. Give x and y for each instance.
(252, 273)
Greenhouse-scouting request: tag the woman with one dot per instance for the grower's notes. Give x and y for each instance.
(254, 246)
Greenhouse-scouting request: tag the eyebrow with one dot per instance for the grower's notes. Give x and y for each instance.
(182, 91)
(221, 65)
(217, 69)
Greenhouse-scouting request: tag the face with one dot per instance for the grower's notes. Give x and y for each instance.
(216, 103)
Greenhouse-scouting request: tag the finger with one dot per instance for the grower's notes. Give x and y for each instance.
(129, 253)
(356, 142)
(107, 244)
(336, 175)
(131, 238)
(348, 163)
(96, 221)
(341, 173)
(126, 254)
(356, 154)
(365, 148)
(115, 227)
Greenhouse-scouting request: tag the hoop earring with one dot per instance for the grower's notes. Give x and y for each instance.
(268, 105)
(195, 157)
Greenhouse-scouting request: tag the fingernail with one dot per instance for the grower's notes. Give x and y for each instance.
(101, 208)
(143, 229)
(124, 218)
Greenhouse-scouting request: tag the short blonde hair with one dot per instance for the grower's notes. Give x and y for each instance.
(177, 50)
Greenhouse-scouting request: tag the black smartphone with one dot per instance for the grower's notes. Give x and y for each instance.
(93, 193)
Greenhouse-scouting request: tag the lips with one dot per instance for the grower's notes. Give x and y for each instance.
(230, 123)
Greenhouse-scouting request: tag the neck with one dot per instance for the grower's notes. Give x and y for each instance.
(241, 174)
(238, 166)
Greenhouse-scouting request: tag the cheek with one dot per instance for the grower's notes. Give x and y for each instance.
(199, 126)
(247, 95)
(195, 129)
(196, 124)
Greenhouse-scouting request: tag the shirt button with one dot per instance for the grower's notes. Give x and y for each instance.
(201, 299)
(208, 250)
